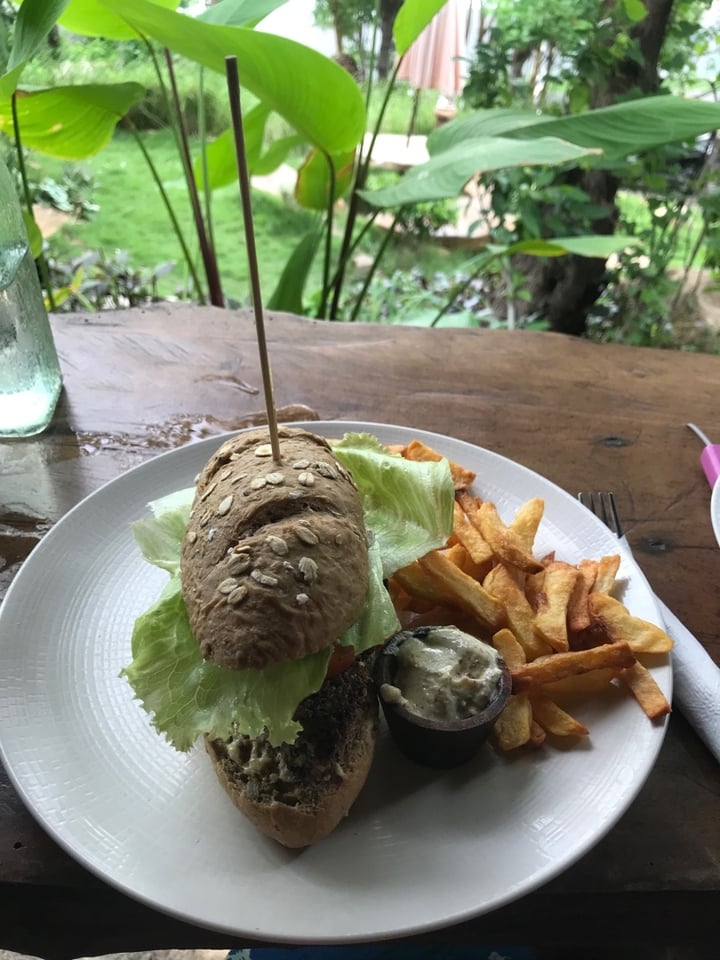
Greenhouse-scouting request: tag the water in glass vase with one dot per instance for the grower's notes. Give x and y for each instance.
(30, 378)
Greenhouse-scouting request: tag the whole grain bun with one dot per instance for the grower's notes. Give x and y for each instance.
(274, 561)
(298, 793)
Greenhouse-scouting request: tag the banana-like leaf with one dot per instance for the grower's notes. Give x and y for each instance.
(239, 13)
(412, 18)
(34, 21)
(91, 18)
(313, 183)
(495, 122)
(34, 235)
(314, 94)
(221, 157)
(618, 131)
(444, 175)
(71, 122)
(288, 295)
(590, 245)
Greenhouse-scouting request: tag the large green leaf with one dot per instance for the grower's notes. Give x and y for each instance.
(620, 130)
(412, 18)
(312, 190)
(315, 95)
(91, 18)
(71, 122)
(34, 21)
(221, 155)
(239, 13)
(288, 294)
(445, 174)
(497, 122)
(590, 245)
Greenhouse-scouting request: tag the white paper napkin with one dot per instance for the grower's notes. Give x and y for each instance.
(696, 676)
(696, 682)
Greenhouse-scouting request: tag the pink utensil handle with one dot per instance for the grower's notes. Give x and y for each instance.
(710, 461)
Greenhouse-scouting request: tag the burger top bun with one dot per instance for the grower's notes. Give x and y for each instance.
(274, 562)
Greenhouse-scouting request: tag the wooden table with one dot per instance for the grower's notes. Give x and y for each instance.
(584, 415)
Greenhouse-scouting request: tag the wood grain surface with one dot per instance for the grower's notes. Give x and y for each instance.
(586, 416)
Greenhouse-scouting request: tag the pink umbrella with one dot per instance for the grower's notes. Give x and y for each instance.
(433, 61)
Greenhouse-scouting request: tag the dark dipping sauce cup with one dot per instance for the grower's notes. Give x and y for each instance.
(436, 743)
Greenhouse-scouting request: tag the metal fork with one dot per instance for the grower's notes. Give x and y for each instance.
(602, 504)
(696, 678)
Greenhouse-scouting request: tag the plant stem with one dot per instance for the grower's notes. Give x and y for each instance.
(208, 254)
(40, 259)
(322, 310)
(371, 272)
(202, 133)
(171, 213)
(483, 260)
(362, 165)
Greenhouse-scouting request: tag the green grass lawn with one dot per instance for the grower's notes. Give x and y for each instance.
(132, 218)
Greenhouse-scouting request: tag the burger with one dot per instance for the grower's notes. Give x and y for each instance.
(258, 645)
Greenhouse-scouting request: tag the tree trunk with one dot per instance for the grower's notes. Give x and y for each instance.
(388, 12)
(563, 289)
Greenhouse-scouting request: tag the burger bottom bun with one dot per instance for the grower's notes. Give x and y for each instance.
(298, 793)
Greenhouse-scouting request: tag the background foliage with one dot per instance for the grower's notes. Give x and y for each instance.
(607, 248)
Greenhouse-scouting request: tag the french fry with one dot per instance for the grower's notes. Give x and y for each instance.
(526, 521)
(417, 450)
(509, 648)
(620, 625)
(501, 583)
(513, 727)
(537, 734)
(470, 537)
(644, 688)
(554, 719)
(607, 568)
(578, 615)
(583, 685)
(552, 612)
(467, 592)
(505, 542)
(556, 666)
(555, 624)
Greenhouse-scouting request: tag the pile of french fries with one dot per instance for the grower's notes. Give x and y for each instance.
(556, 624)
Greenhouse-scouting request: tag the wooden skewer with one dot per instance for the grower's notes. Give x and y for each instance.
(233, 85)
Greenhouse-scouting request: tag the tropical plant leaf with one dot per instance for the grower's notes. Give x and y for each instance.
(314, 94)
(35, 19)
(619, 130)
(495, 122)
(92, 18)
(590, 245)
(312, 190)
(288, 294)
(34, 235)
(412, 18)
(221, 157)
(239, 13)
(71, 122)
(445, 174)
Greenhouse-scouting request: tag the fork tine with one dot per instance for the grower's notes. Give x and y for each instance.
(604, 507)
(617, 526)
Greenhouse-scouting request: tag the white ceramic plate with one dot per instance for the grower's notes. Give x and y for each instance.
(419, 850)
(715, 510)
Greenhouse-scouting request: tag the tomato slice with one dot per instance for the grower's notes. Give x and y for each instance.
(340, 659)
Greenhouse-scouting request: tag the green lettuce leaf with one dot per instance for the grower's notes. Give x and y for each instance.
(408, 509)
(188, 696)
(160, 536)
(408, 505)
